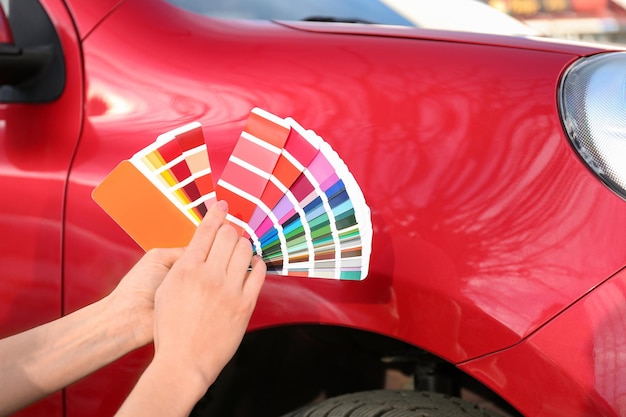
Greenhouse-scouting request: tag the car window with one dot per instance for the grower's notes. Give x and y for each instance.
(460, 15)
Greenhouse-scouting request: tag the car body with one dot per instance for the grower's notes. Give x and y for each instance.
(498, 254)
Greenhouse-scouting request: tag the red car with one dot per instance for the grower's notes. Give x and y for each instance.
(493, 167)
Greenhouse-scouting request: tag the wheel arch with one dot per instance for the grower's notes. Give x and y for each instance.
(279, 369)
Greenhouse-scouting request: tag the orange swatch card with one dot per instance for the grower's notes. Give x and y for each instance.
(142, 210)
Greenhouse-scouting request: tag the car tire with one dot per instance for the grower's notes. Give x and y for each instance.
(385, 403)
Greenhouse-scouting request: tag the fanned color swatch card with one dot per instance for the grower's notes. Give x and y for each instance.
(287, 189)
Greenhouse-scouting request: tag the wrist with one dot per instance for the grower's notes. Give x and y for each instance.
(133, 321)
(183, 383)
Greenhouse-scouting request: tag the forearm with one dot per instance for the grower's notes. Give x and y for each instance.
(43, 360)
(165, 389)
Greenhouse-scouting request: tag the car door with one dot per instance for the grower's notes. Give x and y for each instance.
(40, 121)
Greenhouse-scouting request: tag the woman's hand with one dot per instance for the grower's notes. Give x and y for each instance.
(134, 295)
(202, 309)
(204, 304)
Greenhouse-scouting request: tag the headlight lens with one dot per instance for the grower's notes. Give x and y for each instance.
(593, 108)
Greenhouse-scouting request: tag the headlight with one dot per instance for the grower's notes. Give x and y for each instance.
(592, 102)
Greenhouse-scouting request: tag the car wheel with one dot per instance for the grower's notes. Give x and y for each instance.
(386, 403)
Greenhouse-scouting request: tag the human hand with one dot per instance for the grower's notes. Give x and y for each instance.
(134, 295)
(205, 302)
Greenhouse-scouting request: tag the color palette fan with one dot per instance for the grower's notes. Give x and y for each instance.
(287, 190)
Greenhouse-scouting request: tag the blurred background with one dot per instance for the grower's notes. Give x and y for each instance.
(582, 20)
(586, 20)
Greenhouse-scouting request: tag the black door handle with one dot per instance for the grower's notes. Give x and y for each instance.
(22, 64)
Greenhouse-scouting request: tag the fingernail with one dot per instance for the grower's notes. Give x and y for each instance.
(222, 205)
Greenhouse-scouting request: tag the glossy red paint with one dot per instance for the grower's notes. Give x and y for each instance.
(583, 346)
(486, 224)
(5, 29)
(87, 15)
(37, 143)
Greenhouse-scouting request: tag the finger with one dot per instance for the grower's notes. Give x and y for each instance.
(256, 278)
(222, 248)
(240, 261)
(164, 256)
(202, 240)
